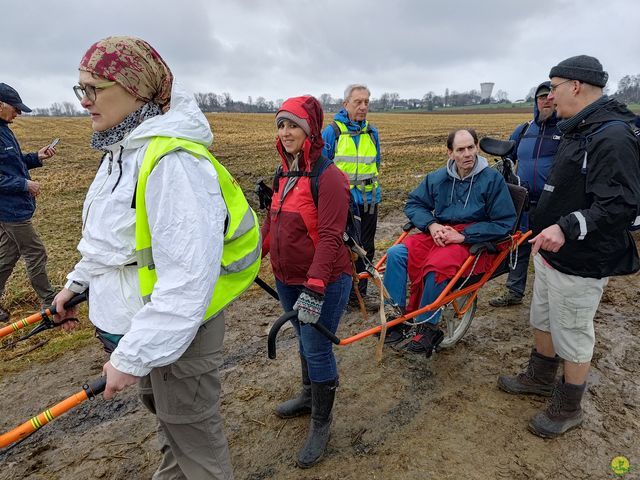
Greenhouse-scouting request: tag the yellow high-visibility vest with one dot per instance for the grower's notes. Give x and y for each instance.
(241, 251)
(358, 163)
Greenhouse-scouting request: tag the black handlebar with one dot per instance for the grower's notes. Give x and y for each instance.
(277, 325)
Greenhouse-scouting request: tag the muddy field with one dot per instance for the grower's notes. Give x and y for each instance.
(404, 418)
(407, 417)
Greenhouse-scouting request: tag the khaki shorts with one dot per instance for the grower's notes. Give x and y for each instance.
(565, 306)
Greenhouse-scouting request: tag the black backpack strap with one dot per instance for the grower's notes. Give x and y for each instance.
(320, 166)
(276, 177)
(524, 127)
(336, 129)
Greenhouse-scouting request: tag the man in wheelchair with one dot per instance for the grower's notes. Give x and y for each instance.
(463, 203)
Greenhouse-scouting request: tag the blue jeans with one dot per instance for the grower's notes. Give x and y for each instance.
(395, 281)
(315, 347)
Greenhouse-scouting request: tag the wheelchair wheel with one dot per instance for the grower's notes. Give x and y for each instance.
(455, 327)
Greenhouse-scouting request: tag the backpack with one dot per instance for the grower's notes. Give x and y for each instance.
(351, 235)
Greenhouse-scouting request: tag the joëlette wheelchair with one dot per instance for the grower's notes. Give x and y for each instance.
(458, 301)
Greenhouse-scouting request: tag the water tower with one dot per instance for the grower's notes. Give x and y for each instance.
(485, 90)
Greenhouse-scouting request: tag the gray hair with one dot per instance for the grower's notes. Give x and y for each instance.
(355, 86)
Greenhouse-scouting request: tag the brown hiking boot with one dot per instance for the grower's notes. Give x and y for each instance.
(563, 411)
(4, 315)
(507, 299)
(538, 378)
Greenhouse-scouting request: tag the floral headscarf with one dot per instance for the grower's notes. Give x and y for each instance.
(134, 64)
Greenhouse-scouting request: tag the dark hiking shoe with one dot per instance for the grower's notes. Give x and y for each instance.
(538, 378)
(396, 334)
(322, 397)
(427, 339)
(300, 405)
(4, 315)
(563, 411)
(506, 299)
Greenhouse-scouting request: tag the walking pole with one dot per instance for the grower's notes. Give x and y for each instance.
(267, 288)
(89, 391)
(42, 315)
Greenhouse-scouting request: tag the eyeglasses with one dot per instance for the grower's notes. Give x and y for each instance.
(90, 91)
(552, 88)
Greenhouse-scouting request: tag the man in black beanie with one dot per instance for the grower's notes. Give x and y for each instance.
(590, 199)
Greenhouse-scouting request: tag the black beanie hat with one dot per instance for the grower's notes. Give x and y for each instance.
(583, 68)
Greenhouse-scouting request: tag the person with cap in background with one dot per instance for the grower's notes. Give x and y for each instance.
(18, 203)
(581, 239)
(159, 275)
(536, 145)
(310, 261)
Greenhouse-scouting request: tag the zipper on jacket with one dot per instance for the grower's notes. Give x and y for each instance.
(535, 160)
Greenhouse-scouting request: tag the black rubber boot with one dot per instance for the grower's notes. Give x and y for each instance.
(563, 411)
(538, 378)
(322, 396)
(301, 405)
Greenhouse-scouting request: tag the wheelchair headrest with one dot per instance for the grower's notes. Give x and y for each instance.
(493, 146)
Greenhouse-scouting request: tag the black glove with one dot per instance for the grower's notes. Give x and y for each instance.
(309, 306)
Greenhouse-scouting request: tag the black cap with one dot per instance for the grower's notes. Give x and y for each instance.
(583, 68)
(9, 95)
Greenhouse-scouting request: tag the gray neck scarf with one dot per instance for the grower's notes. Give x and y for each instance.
(565, 126)
(115, 134)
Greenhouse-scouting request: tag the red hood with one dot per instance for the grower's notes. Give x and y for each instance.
(308, 108)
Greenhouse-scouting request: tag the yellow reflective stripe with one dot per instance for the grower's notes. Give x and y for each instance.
(242, 263)
(48, 415)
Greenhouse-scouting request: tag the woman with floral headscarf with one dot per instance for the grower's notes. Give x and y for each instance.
(161, 343)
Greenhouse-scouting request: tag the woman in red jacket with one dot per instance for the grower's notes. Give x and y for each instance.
(309, 260)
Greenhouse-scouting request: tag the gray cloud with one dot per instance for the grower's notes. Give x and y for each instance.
(289, 47)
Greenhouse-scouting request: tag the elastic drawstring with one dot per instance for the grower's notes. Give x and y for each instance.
(469, 193)
(120, 169)
(110, 153)
(452, 189)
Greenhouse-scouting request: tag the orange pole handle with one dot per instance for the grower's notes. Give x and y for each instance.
(40, 420)
(15, 326)
(36, 317)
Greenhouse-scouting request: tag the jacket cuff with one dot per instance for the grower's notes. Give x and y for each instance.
(75, 287)
(126, 367)
(315, 284)
(565, 225)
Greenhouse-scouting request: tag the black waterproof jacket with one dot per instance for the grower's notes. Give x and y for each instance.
(593, 194)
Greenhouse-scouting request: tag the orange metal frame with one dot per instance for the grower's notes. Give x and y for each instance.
(446, 296)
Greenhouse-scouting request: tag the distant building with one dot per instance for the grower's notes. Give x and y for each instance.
(485, 90)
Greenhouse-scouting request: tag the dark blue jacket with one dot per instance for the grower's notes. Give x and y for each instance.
(329, 137)
(537, 143)
(482, 198)
(16, 203)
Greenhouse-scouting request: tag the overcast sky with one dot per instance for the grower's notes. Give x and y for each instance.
(282, 48)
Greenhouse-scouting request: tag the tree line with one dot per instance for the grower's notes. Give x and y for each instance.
(628, 92)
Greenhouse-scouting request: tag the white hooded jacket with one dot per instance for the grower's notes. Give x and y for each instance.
(186, 213)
